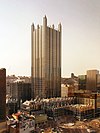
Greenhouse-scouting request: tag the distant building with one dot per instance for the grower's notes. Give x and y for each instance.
(98, 82)
(82, 82)
(67, 91)
(12, 78)
(92, 79)
(9, 79)
(20, 91)
(46, 61)
(71, 83)
(25, 79)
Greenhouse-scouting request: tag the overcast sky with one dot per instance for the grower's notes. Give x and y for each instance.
(80, 21)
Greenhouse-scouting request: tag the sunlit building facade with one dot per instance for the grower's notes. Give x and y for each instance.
(46, 61)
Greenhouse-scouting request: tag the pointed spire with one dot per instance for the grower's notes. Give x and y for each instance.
(33, 27)
(53, 26)
(45, 21)
(38, 26)
(45, 17)
(33, 24)
(59, 26)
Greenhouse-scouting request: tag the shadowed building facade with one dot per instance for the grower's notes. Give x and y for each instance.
(46, 61)
(92, 79)
(3, 100)
(3, 94)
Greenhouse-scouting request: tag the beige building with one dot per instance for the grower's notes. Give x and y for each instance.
(46, 61)
(67, 90)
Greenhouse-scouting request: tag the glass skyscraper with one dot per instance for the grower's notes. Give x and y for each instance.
(46, 60)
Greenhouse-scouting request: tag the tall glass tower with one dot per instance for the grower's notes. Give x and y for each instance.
(46, 60)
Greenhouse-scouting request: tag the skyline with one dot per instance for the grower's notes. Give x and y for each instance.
(80, 33)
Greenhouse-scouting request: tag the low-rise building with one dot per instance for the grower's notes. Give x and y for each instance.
(67, 90)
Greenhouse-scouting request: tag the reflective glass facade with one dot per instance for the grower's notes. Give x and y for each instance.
(46, 61)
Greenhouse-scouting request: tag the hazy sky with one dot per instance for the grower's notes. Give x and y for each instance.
(80, 33)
